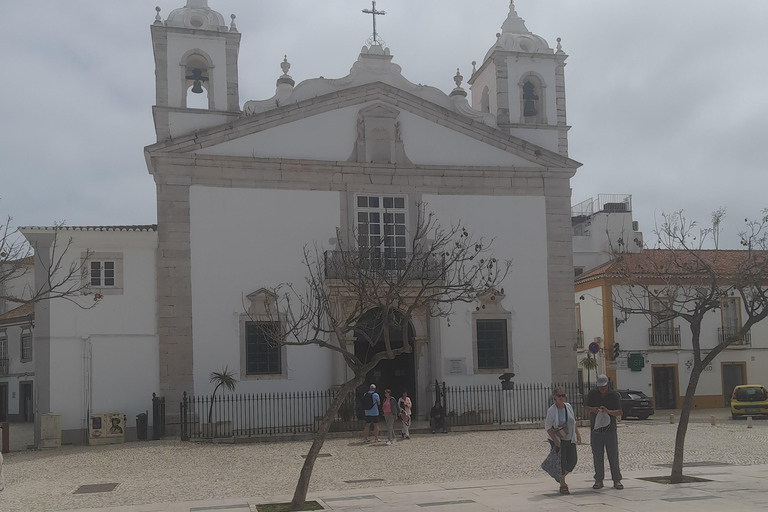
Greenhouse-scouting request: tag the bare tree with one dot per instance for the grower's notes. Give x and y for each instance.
(687, 276)
(439, 268)
(60, 279)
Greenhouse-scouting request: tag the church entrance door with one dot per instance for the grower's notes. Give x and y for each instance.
(397, 374)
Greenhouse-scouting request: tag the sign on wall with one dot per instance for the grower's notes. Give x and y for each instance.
(455, 365)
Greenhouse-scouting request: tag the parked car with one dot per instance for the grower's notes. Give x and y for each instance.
(749, 400)
(635, 404)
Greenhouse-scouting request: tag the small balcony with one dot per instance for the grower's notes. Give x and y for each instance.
(664, 336)
(4, 366)
(580, 339)
(389, 263)
(723, 333)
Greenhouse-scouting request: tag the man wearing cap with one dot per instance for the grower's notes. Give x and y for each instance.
(372, 415)
(604, 406)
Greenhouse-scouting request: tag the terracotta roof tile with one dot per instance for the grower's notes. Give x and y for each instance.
(138, 227)
(667, 263)
(19, 312)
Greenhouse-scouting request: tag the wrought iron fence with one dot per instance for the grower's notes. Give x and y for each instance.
(247, 415)
(158, 417)
(386, 261)
(664, 336)
(485, 405)
(725, 333)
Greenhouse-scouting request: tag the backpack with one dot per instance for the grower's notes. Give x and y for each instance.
(368, 401)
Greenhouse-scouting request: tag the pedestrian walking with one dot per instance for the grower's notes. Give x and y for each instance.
(390, 410)
(560, 425)
(371, 406)
(405, 414)
(604, 406)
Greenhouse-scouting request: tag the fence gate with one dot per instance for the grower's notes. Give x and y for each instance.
(158, 417)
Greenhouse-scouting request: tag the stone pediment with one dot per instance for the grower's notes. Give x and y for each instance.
(328, 128)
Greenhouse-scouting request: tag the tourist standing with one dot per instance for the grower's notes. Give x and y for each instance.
(560, 425)
(604, 406)
(371, 405)
(390, 411)
(405, 414)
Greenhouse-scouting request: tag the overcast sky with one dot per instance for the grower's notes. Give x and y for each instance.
(668, 99)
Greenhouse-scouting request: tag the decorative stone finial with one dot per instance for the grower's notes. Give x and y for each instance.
(286, 78)
(232, 26)
(158, 19)
(458, 91)
(559, 46)
(474, 70)
(512, 7)
(458, 78)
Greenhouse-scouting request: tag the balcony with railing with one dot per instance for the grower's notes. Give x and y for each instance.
(389, 263)
(580, 339)
(724, 333)
(664, 336)
(4, 366)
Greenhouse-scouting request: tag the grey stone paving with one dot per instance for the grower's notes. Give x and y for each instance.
(162, 475)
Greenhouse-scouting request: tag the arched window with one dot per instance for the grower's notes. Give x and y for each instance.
(485, 100)
(532, 96)
(197, 83)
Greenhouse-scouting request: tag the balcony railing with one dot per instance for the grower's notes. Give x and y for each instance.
(390, 263)
(580, 339)
(663, 336)
(723, 333)
(4, 366)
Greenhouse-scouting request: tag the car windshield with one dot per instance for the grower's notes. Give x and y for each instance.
(750, 394)
(637, 395)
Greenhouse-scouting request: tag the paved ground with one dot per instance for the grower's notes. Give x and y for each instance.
(492, 466)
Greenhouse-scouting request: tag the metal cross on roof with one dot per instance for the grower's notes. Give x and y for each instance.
(374, 12)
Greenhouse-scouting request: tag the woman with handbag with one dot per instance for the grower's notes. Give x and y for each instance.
(560, 425)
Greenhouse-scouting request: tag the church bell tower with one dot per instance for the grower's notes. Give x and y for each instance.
(195, 59)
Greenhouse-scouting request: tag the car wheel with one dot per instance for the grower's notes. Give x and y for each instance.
(643, 417)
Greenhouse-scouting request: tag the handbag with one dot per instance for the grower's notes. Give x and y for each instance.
(552, 463)
(561, 431)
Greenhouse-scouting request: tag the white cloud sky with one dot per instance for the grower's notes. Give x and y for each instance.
(666, 98)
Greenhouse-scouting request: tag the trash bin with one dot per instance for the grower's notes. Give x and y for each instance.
(141, 426)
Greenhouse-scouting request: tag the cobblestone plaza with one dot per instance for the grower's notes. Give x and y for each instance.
(172, 471)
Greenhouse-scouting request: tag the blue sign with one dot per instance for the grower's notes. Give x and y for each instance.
(594, 348)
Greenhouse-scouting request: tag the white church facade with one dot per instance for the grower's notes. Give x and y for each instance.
(241, 191)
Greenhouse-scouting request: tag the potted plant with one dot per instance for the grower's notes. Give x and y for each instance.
(222, 379)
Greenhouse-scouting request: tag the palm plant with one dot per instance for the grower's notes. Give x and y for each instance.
(223, 378)
(590, 363)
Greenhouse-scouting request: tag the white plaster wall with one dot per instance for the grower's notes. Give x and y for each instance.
(241, 241)
(125, 374)
(487, 79)
(427, 143)
(547, 139)
(182, 123)
(331, 136)
(519, 225)
(546, 69)
(67, 382)
(215, 47)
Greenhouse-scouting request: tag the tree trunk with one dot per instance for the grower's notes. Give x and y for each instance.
(682, 428)
(302, 486)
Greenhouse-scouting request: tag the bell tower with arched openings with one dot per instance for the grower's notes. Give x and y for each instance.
(195, 69)
(522, 82)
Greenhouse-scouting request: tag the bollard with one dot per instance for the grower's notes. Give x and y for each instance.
(6, 437)
(671, 418)
(712, 420)
(749, 421)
